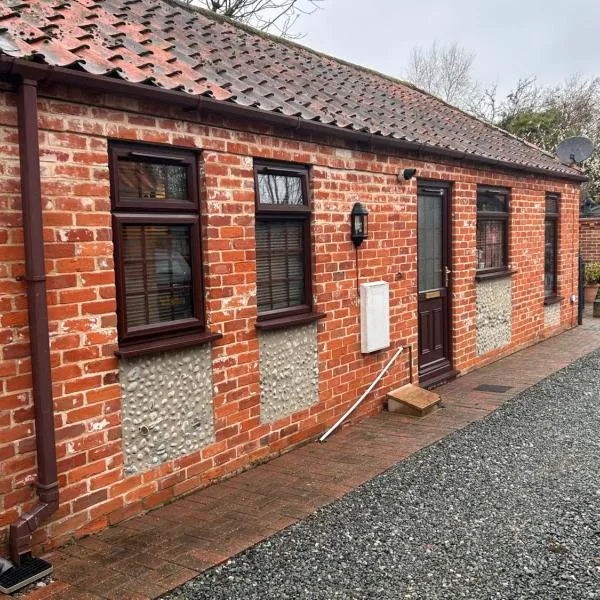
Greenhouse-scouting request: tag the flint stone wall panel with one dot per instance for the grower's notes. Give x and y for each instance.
(167, 406)
(552, 315)
(289, 371)
(494, 314)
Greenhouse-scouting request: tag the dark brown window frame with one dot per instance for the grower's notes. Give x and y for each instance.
(140, 211)
(304, 313)
(495, 216)
(153, 154)
(552, 217)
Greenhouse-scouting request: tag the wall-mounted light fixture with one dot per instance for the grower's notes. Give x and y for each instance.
(359, 218)
(406, 174)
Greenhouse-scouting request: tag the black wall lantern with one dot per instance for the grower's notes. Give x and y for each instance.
(359, 218)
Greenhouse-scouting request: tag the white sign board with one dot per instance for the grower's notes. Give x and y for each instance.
(374, 316)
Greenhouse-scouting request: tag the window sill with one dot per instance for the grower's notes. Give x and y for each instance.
(548, 300)
(161, 345)
(290, 321)
(483, 276)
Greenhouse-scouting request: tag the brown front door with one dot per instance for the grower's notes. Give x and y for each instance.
(434, 282)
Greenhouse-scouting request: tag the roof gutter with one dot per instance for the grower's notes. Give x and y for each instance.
(48, 73)
(31, 198)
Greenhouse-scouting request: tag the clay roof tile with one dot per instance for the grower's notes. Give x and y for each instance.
(178, 47)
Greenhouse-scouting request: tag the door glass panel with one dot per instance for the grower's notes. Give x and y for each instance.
(430, 252)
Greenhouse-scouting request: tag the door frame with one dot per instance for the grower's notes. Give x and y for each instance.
(446, 187)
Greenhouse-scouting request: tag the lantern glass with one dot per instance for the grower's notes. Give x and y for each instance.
(358, 224)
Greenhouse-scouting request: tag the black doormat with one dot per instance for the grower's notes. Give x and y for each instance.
(496, 389)
(30, 570)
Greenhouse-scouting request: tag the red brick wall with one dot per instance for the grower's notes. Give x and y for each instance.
(589, 239)
(75, 188)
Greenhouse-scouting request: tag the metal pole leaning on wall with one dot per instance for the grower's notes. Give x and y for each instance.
(365, 394)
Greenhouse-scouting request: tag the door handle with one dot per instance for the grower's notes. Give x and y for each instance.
(447, 272)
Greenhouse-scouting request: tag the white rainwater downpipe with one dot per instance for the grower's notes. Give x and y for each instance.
(365, 394)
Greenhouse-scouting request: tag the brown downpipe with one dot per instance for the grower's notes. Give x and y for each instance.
(31, 199)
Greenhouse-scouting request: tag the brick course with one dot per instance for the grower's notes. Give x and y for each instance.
(74, 133)
(589, 239)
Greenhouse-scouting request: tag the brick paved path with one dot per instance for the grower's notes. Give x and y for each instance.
(147, 556)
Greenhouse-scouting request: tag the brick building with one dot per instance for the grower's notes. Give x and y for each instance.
(183, 237)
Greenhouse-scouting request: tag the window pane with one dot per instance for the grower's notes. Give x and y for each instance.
(279, 264)
(296, 292)
(133, 249)
(145, 180)
(430, 242)
(490, 244)
(491, 202)
(136, 311)
(280, 189)
(552, 204)
(295, 266)
(279, 295)
(550, 258)
(157, 265)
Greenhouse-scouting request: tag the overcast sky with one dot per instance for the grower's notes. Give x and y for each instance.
(551, 39)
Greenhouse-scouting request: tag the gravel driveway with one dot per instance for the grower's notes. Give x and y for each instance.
(508, 508)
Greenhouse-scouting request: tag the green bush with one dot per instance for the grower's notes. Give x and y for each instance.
(592, 273)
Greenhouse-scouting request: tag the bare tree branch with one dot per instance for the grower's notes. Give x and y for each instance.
(274, 16)
(546, 116)
(444, 72)
(484, 103)
(542, 115)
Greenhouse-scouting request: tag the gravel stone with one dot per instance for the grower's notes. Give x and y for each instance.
(507, 508)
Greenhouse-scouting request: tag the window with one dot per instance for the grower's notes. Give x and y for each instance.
(156, 229)
(283, 258)
(492, 230)
(551, 246)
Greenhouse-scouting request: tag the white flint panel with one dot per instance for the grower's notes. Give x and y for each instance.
(289, 371)
(166, 406)
(552, 315)
(494, 314)
(374, 316)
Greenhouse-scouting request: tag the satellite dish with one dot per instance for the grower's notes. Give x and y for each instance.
(574, 150)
